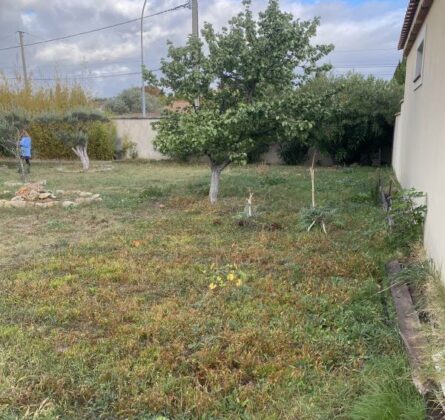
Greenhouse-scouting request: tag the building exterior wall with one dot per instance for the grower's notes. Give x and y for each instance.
(140, 132)
(419, 143)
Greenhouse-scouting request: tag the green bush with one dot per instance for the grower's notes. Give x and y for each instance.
(408, 212)
(46, 145)
(357, 124)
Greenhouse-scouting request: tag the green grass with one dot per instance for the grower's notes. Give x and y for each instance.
(132, 308)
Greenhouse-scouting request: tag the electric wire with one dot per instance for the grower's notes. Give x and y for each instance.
(61, 38)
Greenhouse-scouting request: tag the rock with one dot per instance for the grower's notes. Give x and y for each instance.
(67, 204)
(7, 204)
(80, 200)
(98, 199)
(18, 204)
(2, 203)
(17, 198)
(95, 196)
(44, 195)
(33, 195)
(50, 204)
(85, 194)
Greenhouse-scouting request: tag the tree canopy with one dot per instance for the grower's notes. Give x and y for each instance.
(240, 87)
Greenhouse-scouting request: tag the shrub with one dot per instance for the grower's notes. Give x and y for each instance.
(61, 98)
(46, 144)
(408, 213)
(357, 122)
(20, 108)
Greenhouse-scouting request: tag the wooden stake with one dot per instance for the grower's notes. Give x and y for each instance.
(312, 172)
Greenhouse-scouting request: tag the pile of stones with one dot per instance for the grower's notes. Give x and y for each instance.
(35, 195)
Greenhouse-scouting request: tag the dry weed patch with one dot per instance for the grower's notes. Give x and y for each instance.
(129, 309)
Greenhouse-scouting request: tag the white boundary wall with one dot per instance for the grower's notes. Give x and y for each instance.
(419, 140)
(139, 131)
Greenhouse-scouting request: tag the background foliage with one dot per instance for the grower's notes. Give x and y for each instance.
(129, 102)
(22, 108)
(358, 119)
(61, 97)
(47, 145)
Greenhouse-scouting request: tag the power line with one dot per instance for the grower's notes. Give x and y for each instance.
(172, 9)
(363, 50)
(74, 77)
(364, 66)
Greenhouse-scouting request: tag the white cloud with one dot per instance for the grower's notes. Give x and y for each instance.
(371, 25)
(72, 53)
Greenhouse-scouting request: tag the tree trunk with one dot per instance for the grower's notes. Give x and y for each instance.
(214, 183)
(81, 153)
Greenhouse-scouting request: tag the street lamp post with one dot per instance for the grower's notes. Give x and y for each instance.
(142, 61)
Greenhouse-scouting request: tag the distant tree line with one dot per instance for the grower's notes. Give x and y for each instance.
(129, 101)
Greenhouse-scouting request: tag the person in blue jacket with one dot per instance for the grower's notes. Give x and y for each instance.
(25, 148)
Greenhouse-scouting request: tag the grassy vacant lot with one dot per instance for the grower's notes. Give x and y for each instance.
(154, 303)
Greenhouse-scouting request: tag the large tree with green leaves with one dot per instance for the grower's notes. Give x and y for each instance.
(242, 89)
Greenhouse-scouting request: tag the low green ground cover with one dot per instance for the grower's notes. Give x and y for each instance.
(155, 303)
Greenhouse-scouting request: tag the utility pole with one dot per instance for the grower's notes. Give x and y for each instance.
(25, 74)
(195, 33)
(195, 26)
(144, 114)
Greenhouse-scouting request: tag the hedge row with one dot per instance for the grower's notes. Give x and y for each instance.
(45, 144)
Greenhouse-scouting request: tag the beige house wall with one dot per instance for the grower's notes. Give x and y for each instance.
(140, 132)
(419, 143)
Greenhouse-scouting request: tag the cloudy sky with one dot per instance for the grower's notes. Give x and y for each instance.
(365, 33)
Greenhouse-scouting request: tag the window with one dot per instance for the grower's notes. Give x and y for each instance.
(419, 61)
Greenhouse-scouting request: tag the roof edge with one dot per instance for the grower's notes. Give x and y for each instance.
(415, 16)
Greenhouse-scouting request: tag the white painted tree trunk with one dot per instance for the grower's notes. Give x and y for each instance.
(214, 183)
(249, 210)
(81, 153)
